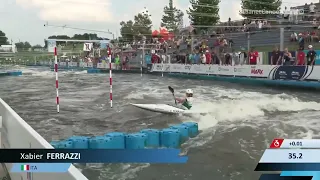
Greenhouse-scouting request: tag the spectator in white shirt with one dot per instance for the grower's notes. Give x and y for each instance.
(260, 25)
(312, 8)
(203, 58)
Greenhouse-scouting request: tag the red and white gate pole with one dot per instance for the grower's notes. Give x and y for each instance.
(110, 76)
(56, 71)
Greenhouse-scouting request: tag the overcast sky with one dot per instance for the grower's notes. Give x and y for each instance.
(23, 20)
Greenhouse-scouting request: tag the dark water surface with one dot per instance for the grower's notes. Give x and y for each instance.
(242, 120)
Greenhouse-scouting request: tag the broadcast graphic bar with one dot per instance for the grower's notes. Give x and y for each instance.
(91, 156)
(295, 143)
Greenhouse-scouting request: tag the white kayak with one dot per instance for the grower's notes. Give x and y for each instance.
(162, 108)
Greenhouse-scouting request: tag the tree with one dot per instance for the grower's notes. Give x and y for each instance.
(204, 13)
(37, 46)
(142, 25)
(3, 38)
(23, 45)
(259, 7)
(172, 17)
(126, 30)
(136, 29)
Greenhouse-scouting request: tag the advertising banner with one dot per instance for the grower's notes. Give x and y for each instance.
(291, 72)
(62, 64)
(262, 71)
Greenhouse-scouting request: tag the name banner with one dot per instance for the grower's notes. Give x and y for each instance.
(261, 71)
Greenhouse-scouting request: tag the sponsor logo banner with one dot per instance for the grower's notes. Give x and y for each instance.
(273, 72)
(157, 67)
(186, 69)
(241, 70)
(176, 67)
(225, 70)
(212, 69)
(199, 69)
(291, 72)
(62, 64)
(73, 64)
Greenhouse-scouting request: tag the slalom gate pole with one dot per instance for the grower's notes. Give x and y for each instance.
(110, 75)
(56, 71)
(141, 67)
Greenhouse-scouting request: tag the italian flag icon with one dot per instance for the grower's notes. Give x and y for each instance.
(25, 167)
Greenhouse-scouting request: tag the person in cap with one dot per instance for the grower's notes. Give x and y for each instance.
(311, 56)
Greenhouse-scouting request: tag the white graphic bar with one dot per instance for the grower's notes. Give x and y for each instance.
(290, 156)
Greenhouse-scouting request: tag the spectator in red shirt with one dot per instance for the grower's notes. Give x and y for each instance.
(301, 58)
(253, 56)
(208, 57)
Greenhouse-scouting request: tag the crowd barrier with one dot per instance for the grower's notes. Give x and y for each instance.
(171, 137)
(274, 72)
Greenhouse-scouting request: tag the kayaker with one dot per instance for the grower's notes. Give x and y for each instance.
(186, 102)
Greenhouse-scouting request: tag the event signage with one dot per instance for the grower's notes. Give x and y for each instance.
(62, 64)
(292, 72)
(262, 71)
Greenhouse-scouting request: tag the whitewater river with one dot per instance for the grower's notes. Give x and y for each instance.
(242, 120)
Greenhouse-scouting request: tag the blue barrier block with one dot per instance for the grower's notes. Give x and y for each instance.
(118, 139)
(153, 137)
(55, 144)
(66, 145)
(80, 142)
(193, 128)
(170, 138)
(184, 132)
(91, 71)
(101, 142)
(136, 141)
(15, 73)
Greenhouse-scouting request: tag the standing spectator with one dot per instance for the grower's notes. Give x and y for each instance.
(311, 56)
(208, 57)
(287, 57)
(301, 41)
(276, 56)
(253, 56)
(312, 8)
(191, 58)
(228, 59)
(197, 58)
(301, 58)
(243, 56)
(215, 59)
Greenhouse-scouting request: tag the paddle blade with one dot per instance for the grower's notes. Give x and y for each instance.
(171, 89)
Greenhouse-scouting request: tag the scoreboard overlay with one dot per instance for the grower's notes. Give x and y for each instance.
(295, 158)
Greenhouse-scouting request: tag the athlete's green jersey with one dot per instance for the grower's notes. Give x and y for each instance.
(187, 103)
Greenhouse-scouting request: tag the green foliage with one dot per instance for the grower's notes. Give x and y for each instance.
(136, 29)
(204, 13)
(266, 5)
(3, 38)
(172, 18)
(23, 45)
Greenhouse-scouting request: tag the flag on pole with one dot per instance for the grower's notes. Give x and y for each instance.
(25, 167)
